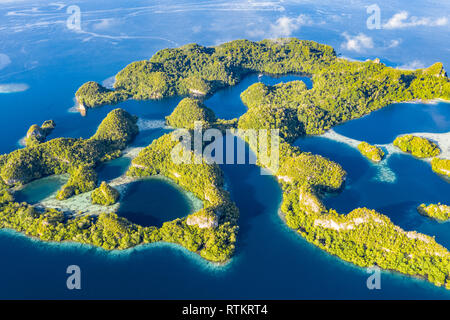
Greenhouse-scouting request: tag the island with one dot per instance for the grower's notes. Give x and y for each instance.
(438, 211)
(189, 111)
(441, 166)
(371, 152)
(37, 134)
(417, 146)
(343, 90)
(105, 195)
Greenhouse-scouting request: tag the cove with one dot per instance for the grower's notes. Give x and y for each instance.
(38, 190)
(384, 125)
(151, 202)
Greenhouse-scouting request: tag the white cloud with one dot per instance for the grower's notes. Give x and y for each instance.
(394, 43)
(4, 60)
(416, 64)
(402, 20)
(104, 24)
(285, 26)
(357, 43)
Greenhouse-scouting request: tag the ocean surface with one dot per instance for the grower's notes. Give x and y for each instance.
(42, 63)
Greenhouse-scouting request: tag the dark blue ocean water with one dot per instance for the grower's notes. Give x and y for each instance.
(151, 202)
(398, 119)
(271, 261)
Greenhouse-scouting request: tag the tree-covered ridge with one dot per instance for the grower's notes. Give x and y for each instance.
(417, 146)
(91, 94)
(197, 70)
(78, 157)
(105, 195)
(107, 231)
(189, 111)
(371, 152)
(436, 211)
(441, 166)
(211, 231)
(363, 236)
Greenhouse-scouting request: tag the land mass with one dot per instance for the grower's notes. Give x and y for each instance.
(438, 211)
(342, 90)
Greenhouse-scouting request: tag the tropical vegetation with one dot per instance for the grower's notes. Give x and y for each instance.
(189, 111)
(441, 166)
(417, 146)
(78, 157)
(105, 195)
(37, 134)
(371, 152)
(436, 211)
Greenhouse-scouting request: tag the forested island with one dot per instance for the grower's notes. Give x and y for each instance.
(438, 211)
(441, 166)
(371, 152)
(105, 195)
(417, 146)
(37, 134)
(342, 90)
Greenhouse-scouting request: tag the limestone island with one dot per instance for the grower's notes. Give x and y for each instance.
(343, 90)
(371, 152)
(438, 211)
(417, 146)
(37, 134)
(441, 166)
(105, 195)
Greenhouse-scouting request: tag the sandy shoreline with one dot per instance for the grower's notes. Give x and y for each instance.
(441, 139)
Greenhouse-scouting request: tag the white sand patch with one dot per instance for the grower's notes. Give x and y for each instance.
(285, 178)
(131, 152)
(145, 124)
(333, 135)
(384, 173)
(109, 82)
(22, 142)
(13, 87)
